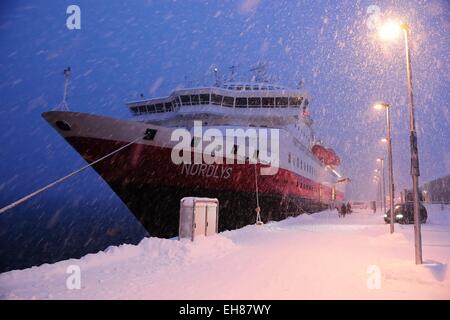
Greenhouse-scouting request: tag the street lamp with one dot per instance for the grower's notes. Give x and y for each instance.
(381, 160)
(391, 30)
(377, 180)
(379, 106)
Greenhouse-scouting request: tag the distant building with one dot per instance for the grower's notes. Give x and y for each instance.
(437, 190)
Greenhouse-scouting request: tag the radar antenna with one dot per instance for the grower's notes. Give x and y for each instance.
(63, 105)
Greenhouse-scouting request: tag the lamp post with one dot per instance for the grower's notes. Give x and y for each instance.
(381, 160)
(377, 180)
(378, 106)
(390, 31)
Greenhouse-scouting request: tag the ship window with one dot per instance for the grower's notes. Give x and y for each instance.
(289, 157)
(267, 102)
(168, 106)
(254, 102)
(151, 108)
(159, 107)
(216, 99)
(295, 102)
(204, 99)
(248, 88)
(235, 149)
(195, 99)
(241, 102)
(150, 134)
(297, 163)
(255, 88)
(239, 88)
(176, 102)
(228, 101)
(134, 110)
(185, 100)
(281, 102)
(142, 109)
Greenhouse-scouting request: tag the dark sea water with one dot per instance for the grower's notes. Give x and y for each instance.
(49, 229)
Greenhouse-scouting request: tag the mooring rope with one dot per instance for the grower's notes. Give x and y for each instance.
(54, 183)
(258, 209)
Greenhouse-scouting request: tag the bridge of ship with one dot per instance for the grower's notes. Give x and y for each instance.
(239, 100)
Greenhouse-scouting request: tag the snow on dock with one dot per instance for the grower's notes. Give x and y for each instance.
(316, 256)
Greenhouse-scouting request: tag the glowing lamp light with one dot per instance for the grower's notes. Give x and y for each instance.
(390, 30)
(378, 106)
(384, 140)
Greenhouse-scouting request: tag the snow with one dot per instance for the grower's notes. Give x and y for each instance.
(316, 256)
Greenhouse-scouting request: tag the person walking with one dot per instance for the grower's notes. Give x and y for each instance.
(343, 210)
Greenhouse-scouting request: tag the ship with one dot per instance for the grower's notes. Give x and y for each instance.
(135, 156)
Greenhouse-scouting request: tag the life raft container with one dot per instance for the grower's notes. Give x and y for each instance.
(326, 155)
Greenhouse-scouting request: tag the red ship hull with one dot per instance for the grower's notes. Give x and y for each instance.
(151, 185)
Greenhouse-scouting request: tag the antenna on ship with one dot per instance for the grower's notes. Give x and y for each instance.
(216, 76)
(232, 72)
(63, 106)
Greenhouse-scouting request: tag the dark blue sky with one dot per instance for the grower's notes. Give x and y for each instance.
(128, 47)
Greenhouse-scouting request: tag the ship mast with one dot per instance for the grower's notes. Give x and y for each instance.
(63, 105)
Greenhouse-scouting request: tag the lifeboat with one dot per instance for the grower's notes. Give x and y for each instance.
(326, 155)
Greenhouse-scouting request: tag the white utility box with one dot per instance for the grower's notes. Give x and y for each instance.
(198, 216)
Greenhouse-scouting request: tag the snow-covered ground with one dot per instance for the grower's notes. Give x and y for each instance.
(308, 257)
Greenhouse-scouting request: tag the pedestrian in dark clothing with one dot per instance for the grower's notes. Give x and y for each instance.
(349, 208)
(343, 210)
